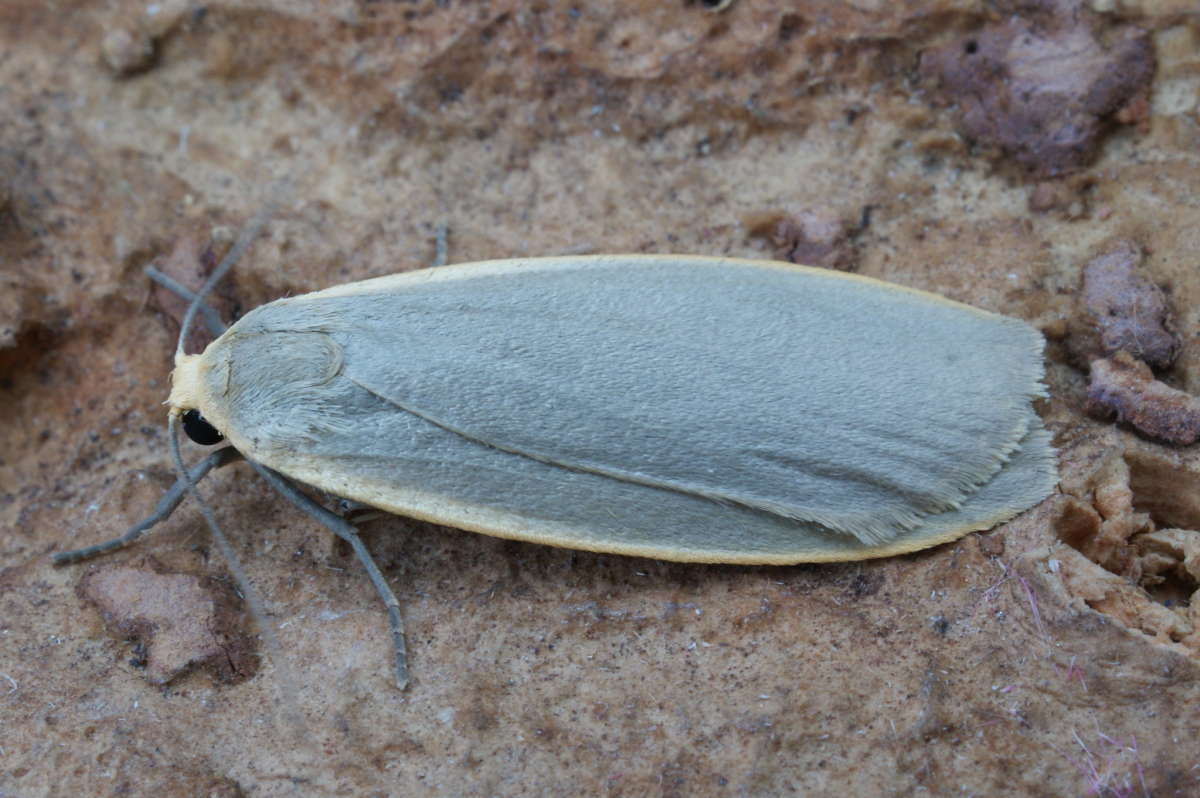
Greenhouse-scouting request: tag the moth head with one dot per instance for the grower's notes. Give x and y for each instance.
(187, 399)
(280, 384)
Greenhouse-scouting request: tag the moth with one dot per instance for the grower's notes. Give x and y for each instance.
(685, 408)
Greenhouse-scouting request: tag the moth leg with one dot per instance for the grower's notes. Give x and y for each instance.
(212, 319)
(356, 512)
(166, 505)
(441, 244)
(346, 531)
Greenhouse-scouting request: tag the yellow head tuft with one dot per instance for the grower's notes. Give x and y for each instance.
(185, 383)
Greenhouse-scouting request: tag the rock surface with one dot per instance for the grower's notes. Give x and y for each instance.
(1053, 656)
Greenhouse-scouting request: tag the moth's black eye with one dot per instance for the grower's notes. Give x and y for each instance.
(200, 430)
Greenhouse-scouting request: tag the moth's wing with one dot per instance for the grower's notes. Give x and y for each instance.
(399, 462)
(806, 395)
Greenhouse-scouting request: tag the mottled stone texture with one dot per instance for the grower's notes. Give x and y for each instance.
(1043, 86)
(1122, 310)
(1053, 656)
(1124, 389)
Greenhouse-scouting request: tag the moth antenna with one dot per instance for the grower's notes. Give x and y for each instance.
(244, 240)
(257, 610)
(212, 319)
